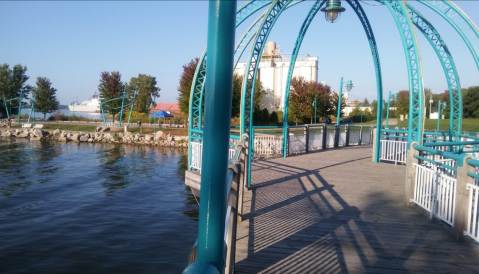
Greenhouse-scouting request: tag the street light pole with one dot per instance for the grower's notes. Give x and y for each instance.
(349, 86)
(314, 104)
(339, 101)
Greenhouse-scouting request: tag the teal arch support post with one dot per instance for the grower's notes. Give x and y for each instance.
(131, 108)
(413, 60)
(221, 34)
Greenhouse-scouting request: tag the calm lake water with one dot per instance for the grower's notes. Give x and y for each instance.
(94, 208)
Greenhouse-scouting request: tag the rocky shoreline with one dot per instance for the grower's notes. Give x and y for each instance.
(158, 139)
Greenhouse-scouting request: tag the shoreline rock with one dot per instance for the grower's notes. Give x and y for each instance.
(158, 139)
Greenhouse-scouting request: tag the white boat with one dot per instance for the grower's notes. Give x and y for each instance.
(90, 105)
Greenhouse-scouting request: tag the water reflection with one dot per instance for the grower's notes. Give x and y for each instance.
(89, 202)
(24, 163)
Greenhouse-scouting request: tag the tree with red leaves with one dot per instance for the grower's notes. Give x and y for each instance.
(186, 81)
(302, 97)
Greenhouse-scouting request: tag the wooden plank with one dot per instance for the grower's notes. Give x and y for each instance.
(336, 211)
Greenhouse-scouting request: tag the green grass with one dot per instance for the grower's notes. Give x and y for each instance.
(83, 128)
(471, 125)
(149, 130)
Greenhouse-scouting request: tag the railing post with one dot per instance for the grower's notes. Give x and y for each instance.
(325, 137)
(233, 202)
(360, 142)
(461, 201)
(306, 133)
(410, 175)
(287, 141)
(336, 136)
(347, 130)
(371, 134)
(374, 144)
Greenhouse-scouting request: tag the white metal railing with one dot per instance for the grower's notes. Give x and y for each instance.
(315, 141)
(472, 228)
(354, 137)
(330, 139)
(342, 139)
(394, 151)
(366, 136)
(196, 155)
(297, 142)
(435, 192)
(268, 144)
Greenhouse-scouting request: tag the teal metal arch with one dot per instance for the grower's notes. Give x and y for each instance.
(297, 45)
(464, 26)
(374, 50)
(409, 42)
(272, 14)
(123, 106)
(401, 17)
(9, 102)
(448, 66)
(413, 60)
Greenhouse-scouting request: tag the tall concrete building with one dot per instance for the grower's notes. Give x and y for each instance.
(273, 71)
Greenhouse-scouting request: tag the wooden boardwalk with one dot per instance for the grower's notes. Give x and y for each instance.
(335, 211)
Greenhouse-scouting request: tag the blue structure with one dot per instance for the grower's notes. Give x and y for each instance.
(223, 57)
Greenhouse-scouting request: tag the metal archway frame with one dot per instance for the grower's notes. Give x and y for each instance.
(377, 65)
(123, 106)
(197, 88)
(398, 11)
(250, 7)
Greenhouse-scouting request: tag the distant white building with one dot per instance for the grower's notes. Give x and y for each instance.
(273, 71)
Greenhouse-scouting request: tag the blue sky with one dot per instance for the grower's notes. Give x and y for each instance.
(73, 42)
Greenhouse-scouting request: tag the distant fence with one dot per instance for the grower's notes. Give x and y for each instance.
(268, 141)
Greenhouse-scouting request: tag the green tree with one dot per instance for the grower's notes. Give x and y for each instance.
(145, 86)
(366, 102)
(45, 96)
(471, 103)
(186, 81)
(403, 102)
(12, 81)
(236, 100)
(446, 111)
(111, 87)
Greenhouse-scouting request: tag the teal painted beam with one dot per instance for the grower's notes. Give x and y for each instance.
(216, 132)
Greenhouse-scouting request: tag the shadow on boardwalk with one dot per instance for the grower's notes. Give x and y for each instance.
(335, 211)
